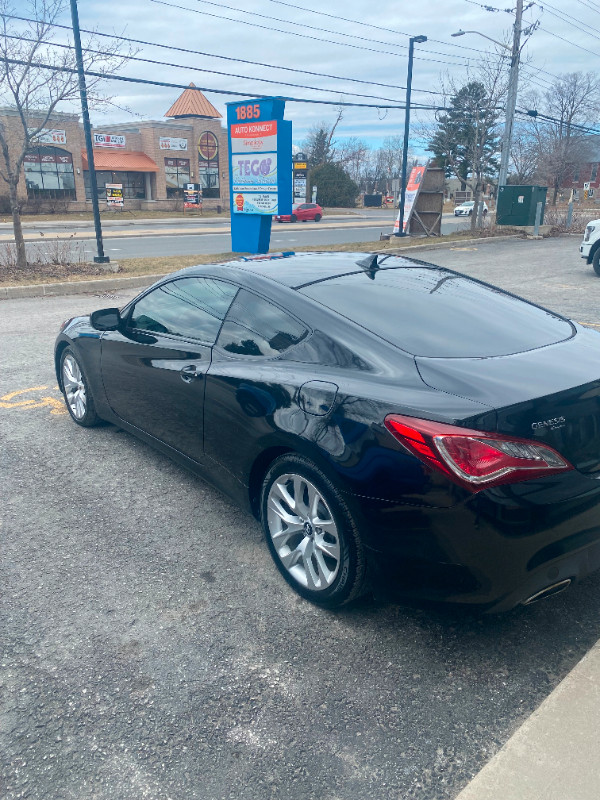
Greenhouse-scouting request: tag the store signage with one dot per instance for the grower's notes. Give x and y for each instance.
(48, 136)
(301, 165)
(299, 190)
(177, 162)
(170, 143)
(253, 137)
(192, 196)
(254, 174)
(254, 166)
(49, 158)
(259, 140)
(114, 195)
(412, 190)
(108, 140)
(255, 203)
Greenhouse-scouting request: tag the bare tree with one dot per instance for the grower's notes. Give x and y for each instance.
(353, 154)
(573, 100)
(319, 144)
(37, 76)
(524, 156)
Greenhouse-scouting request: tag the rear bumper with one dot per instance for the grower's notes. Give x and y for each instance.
(494, 550)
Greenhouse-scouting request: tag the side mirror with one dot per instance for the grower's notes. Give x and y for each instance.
(107, 319)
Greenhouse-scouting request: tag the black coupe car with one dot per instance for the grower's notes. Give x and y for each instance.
(393, 425)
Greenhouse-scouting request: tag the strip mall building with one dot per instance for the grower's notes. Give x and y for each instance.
(153, 160)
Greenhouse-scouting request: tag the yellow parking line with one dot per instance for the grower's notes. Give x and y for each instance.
(55, 405)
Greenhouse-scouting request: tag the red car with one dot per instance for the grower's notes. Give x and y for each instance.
(302, 212)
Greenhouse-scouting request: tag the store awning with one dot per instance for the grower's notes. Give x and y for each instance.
(123, 161)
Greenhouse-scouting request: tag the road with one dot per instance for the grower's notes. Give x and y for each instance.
(163, 238)
(151, 650)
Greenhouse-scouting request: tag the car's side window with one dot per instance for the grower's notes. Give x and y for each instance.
(255, 327)
(189, 307)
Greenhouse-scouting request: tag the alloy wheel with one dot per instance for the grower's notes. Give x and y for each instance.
(74, 387)
(304, 532)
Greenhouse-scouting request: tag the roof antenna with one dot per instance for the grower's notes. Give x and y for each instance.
(370, 266)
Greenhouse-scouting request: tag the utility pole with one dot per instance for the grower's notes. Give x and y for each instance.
(411, 47)
(100, 258)
(511, 100)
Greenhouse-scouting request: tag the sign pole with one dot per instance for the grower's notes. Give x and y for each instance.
(100, 258)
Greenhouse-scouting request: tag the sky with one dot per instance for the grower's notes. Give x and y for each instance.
(290, 34)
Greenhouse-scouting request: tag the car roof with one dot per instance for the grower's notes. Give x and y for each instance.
(301, 269)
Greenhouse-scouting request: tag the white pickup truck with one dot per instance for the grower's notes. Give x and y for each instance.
(590, 247)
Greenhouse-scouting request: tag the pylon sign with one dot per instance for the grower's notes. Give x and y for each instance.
(260, 183)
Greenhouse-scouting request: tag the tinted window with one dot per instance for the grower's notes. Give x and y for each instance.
(190, 307)
(255, 327)
(430, 312)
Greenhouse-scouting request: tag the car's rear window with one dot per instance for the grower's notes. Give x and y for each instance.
(433, 313)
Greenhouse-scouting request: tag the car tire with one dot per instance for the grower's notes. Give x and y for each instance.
(318, 218)
(76, 391)
(596, 261)
(293, 218)
(470, 213)
(323, 563)
(485, 211)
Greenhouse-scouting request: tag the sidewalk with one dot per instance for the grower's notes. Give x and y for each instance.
(555, 754)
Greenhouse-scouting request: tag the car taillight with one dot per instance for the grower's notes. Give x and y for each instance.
(474, 459)
(64, 324)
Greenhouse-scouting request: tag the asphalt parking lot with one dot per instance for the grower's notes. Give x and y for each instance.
(151, 650)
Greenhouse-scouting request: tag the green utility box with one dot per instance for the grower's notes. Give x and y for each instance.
(517, 204)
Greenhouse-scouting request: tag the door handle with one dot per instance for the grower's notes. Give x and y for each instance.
(188, 374)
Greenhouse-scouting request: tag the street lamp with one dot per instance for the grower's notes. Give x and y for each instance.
(411, 47)
(513, 81)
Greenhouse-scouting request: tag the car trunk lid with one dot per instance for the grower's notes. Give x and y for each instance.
(550, 394)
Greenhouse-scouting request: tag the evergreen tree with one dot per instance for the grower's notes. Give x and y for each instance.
(465, 142)
(334, 186)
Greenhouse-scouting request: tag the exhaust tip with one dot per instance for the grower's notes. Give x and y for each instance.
(548, 591)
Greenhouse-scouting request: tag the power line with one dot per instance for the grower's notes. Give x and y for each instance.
(567, 41)
(569, 19)
(215, 72)
(590, 6)
(223, 58)
(302, 35)
(555, 121)
(368, 25)
(148, 82)
(313, 28)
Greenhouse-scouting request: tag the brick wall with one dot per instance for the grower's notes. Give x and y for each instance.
(143, 137)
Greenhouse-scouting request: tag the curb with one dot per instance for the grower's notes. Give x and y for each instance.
(109, 284)
(76, 287)
(556, 751)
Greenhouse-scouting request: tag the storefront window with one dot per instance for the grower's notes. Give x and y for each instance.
(208, 164)
(49, 173)
(134, 184)
(177, 174)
